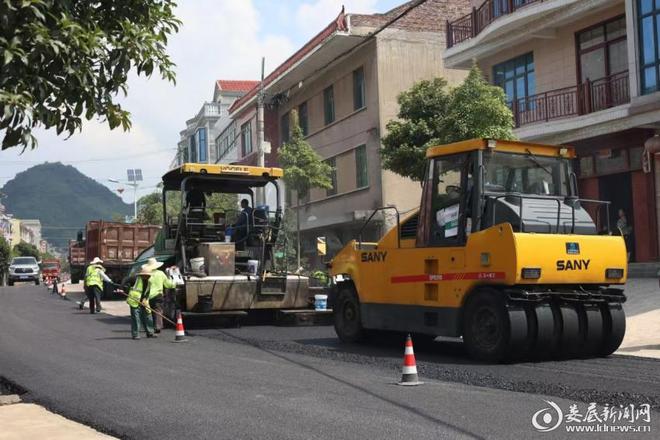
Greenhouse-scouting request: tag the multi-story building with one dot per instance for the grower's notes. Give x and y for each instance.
(344, 84)
(197, 140)
(5, 224)
(584, 73)
(31, 232)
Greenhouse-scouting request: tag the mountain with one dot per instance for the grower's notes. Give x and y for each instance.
(62, 198)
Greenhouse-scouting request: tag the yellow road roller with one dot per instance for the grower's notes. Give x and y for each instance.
(501, 252)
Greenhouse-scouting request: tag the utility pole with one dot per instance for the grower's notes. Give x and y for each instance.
(261, 197)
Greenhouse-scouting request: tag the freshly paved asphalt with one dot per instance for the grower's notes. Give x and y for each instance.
(284, 383)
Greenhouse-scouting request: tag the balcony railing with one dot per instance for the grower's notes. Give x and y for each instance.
(585, 98)
(470, 25)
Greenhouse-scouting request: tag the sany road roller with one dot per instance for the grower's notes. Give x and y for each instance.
(501, 252)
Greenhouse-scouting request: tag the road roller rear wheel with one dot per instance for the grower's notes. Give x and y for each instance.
(614, 327)
(548, 331)
(486, 327)
(572, 335)
(593, 325)
(348, 321)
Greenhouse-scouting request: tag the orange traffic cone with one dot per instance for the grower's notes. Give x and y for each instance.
(180, 333)
(409, 374)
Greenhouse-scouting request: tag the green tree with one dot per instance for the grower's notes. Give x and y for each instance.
(151, 206)
(24, 249)
(430, 114)
(303, 169)
(5, 259)
(65, 60)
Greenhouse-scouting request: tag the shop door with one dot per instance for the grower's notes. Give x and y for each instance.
(617, 189)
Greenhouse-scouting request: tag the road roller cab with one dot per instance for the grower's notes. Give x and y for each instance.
(501, 252)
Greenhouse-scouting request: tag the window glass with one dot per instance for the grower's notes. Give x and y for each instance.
(333, 177)
(193, 149)
(358, 89)
(591, 37)
(362, 173)
(516, 77)
(649, 77)
(446, 198)
(593, 65)
(636, 157)
(246, 138)
(329, 105)
(648, 43)
(202, 144)
(525, 173)
(586, 166)
(616, 29)
(645, 6)
(612, 161)
(618, 57)
(303, 118)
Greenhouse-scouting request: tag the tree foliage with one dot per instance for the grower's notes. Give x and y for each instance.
(432, 114)
(24, 249)
(303, 167)
(63, 60)
(150, 210)
(5, 255)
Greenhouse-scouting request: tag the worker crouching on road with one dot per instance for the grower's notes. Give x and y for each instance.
(94, 278)
(157, 283)
(139, 304)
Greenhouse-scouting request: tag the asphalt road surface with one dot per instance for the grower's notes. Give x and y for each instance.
(288, 383)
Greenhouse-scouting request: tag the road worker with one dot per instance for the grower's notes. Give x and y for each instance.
(94, 278)
(138, 301)
(157, 283)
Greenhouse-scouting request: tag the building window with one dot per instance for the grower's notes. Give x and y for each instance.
(246, 139)
(516, 77)
(193, 149)
(602, 50)
(358, 89)
(333, 177)
(329, 105)
(649, 40)
(361, 171)
(202, 144)
(303, 118)
(284, 127)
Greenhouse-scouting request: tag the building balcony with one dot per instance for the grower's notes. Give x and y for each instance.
(582, 99)
(498, 25)
(471, 25)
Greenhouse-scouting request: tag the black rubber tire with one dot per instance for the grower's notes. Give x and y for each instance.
(37, 282)
(594, 330)
(572, 336)
(547, 332)
(486, 326)
(522, 325)
(347, 317)
(614, 328)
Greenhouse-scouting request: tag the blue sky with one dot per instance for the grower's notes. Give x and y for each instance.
(220, 39)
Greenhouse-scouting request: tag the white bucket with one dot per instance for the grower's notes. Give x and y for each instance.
(321, 302)
(253, 267)
(197, 264)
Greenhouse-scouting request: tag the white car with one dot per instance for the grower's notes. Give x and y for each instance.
(24, 269)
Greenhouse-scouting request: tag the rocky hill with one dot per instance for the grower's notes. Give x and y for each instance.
(62, 198)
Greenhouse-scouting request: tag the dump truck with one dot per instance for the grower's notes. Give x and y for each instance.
(225, 255)
(501, 252)
(50, 270)
(117, 244)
